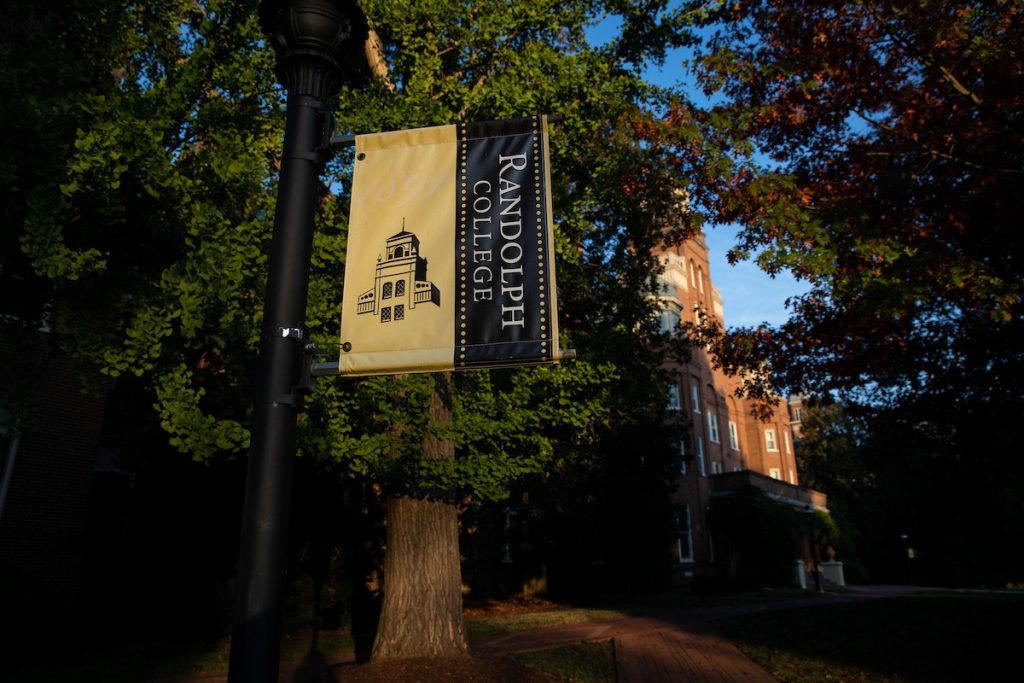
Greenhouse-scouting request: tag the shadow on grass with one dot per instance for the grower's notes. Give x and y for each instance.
(580, 663)
(124, 664)
(948, 637)
(485, 624)
(156, 660)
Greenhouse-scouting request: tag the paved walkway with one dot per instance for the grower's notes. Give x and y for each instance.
(675, 647)
(671, 647)
(674, 654)
(649, 649)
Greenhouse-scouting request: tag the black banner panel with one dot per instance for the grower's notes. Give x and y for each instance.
(502, 246)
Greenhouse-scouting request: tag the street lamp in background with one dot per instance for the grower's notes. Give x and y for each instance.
(311, 39)
(909, 553)
(813, 547)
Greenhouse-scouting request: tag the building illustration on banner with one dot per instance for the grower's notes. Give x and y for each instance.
(400, 281)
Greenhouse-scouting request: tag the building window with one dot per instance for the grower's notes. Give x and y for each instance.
(680, 446)
(693, 277)
(713, 427)
(734, 437)
(400, 288)
(386, 290)
(700, 280)
(8, 449)
(716, 467)
(684, 537)
(669, 321)
(798, 414)
(695, 396)
(785, 440)
(792, 476)
(769, 440)
(400, 312)
(774, 473)
(385, 314)
(673, 397)
(700, 456)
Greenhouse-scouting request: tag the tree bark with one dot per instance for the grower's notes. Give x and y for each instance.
(422, 610)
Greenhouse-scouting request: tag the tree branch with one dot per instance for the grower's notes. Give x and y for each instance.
(926, 60)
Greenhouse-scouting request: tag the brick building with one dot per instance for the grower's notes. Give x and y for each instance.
(46, 483)
(100, 520)
(724, 447)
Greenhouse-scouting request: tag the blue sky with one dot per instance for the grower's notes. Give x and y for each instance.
(750, 295)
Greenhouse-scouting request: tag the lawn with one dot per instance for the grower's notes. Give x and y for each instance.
(130, 662)
(586, 663)
(933, 638)
(580, 663)
(158, 659)
(501, 624)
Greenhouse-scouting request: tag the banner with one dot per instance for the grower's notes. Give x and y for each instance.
(450, 261)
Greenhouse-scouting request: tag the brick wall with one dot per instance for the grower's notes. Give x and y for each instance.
(43, 520)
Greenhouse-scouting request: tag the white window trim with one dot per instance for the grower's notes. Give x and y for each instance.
(734, 436)
(7, 457)
(689, 536)
(695, 396)
(770, 442)
(700, 456)
(713, 427)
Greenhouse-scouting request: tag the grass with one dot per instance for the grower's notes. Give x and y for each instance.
(933, 638)
(497, 625)
(675, 601)
(580, 663)
(151, 660)
(616, 607)
(938, 637)
(141, 661)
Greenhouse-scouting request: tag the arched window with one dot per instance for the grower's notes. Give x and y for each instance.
(399, 252)
(400, 288)
(385, 292)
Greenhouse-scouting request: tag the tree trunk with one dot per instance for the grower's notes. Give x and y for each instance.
(422, 610)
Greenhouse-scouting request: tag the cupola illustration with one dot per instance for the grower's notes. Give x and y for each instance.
(400, 283)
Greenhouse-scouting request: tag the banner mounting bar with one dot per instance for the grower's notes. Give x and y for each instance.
(334, 369)
(339, 141)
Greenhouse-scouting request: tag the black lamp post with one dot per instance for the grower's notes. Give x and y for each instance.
(813, 547)
(311, 39)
